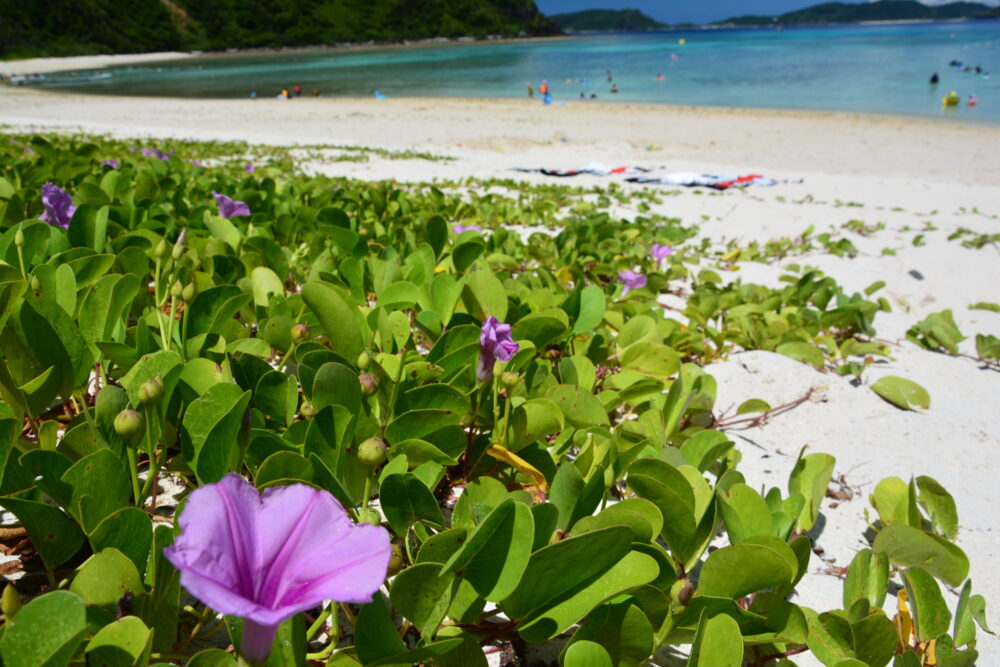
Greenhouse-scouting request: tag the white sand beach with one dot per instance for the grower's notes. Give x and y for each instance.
(917, 176)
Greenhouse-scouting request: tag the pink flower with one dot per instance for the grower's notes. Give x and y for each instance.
(58, 205)
(495, 343)
(229, 208)
(268, 558)
(110, 163)
(250, 168)
(631, 280)
(464, 228)
(660, 253)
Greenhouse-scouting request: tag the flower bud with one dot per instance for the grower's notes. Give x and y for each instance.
(19, 238)
(396, 561)
(161, 249)
(370, 515)
(682, 592)
(364, 361)
(36, 284)
(369, 383)
(151, 391)
(189, 293)
(371, 452)
(178, 250)
(129, 424)
(300, 333)
(308, 410)
(10, 603)
(176, 289)
(510, 379)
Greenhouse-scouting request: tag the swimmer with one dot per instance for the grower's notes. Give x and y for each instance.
(973, 100)
(934, 79)
(614, 88)
(660, 77)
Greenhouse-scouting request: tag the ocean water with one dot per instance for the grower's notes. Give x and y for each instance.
(873, 68)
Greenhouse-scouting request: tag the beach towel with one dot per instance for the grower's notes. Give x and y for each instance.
(714, 181)
(594, 169)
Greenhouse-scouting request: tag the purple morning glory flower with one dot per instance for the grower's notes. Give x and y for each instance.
(250, 168)
(229, 208)
(631, 280)
(113, 163)
(660, 253)
(464, 228)
(152, 152)
(495, 343)
(58, 205)
(267, 558)
(196, 163)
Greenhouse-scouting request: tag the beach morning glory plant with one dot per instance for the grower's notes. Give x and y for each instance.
(229, 208)
(631, 280)
(58, 205)
(495, 344)
(267, 558)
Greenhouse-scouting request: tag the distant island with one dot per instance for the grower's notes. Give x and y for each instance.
(81, 27)
(606, 20)
(883, 10)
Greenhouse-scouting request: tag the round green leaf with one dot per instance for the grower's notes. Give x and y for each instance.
(46, 632)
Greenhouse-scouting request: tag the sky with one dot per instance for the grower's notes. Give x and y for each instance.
(686, 11)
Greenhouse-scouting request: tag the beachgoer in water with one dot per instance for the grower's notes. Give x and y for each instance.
(614, 88)
(934, 79)
(284, 93)
(593, 96)
(543, 89)
(531, 91)
(609, 76)
(253, 94)
(298, 91)
(315, 92)
(973, 100)
(660, 77)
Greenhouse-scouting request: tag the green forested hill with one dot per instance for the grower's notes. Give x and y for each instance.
(883, 10)
(617, 20)
(67, 27)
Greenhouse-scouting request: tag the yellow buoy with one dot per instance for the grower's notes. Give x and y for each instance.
(950, 100)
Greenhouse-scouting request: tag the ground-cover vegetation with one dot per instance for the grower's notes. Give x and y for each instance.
(534, 431)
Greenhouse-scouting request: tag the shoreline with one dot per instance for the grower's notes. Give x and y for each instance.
(52, 64)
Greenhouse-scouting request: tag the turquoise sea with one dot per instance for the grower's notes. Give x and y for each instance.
(876, 68)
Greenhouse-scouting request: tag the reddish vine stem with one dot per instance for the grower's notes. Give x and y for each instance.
(764, 416)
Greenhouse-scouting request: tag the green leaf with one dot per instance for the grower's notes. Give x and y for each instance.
(468, 654)
(622, 629)
(54, 535)
(210, 428)
(902, 393)
(907, 546)
(495, 556)
(406, 500)
(579, 406)
(811, 477)
(639, 514)
(651, 360)
(717, 643)
(266, 284)
(542, 328)
(565, 580)
(100, 487)
(867, 579)
(89, 227)
(977, 603)
(375, 634)
(399, 295)
(534, 420)
(47, 632)
(484, 295)
(212, 657)
(129, 530)
(125, 643)
(965, 626)
(985, 305)
(585, 654)
(339, 317)
(422, 593)
(745, 513)
(930, 612)
(105, 577)
(806, 353)
(753, 405)
(592, 306)
(896, 502)
(940, 506)
(758, 563)
(277, 396)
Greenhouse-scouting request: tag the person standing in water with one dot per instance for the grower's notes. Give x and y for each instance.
(934, 79)
(298, 91)
(531, 91)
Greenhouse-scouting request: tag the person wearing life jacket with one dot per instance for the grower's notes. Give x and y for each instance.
(543, 89)
(951, 99)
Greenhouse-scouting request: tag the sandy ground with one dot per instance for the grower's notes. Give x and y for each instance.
(902, 172)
